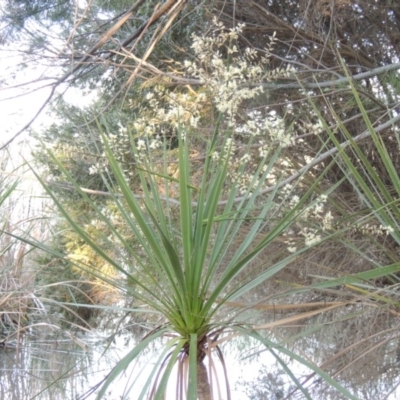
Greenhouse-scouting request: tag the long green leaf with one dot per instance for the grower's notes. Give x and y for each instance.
(271, 345)
(127, 360)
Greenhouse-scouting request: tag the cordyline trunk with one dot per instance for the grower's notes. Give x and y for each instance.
(203, 384)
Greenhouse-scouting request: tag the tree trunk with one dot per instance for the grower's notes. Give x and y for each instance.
(203, 384)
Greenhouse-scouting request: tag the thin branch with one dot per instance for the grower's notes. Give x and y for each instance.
(334, 82)
(171, 6)
(26, 126)
(104, 39)
(313, 85)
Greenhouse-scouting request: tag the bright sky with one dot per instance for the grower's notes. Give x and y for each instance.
(16, 107)
(19, 104)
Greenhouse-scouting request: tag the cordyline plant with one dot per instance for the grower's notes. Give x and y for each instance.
(188, 271)
(186, 261)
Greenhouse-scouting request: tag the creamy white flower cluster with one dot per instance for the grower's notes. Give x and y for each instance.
(169, 110)
(374, 229)
(269, 127)
(231, 81)
(314, 213)
(121, 146)
(307, 127)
